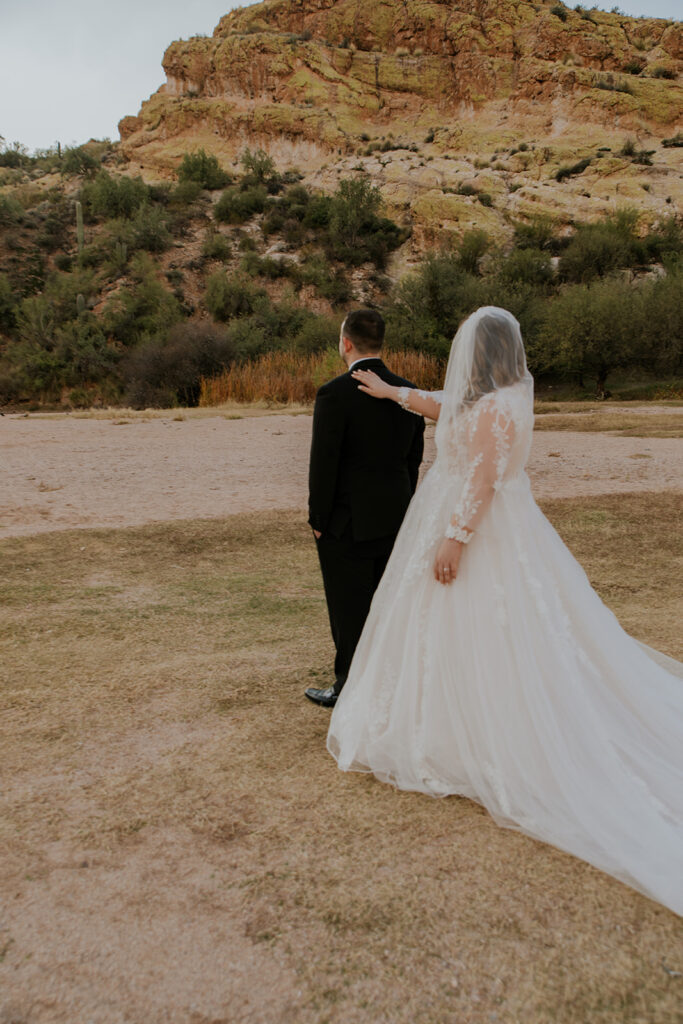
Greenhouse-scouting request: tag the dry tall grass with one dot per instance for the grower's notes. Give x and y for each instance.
(292, 377)
(288, 378)
(178, 848)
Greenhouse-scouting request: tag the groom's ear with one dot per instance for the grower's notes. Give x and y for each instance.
(347, 343)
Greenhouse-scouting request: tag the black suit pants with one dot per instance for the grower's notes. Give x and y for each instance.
(351, 571)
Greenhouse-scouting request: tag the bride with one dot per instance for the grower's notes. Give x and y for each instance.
(489, 667)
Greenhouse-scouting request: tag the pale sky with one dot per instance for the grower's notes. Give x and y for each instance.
(71, 69)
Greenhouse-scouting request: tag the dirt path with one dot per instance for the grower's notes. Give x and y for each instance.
(61, 474)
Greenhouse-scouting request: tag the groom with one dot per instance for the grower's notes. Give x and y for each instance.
(365, 457)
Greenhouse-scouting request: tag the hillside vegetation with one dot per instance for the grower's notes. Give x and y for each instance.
(422, 156)
(114, 290)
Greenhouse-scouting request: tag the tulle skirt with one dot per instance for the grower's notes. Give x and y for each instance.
(516, 686)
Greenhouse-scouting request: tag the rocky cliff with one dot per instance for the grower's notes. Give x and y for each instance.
(462, 111)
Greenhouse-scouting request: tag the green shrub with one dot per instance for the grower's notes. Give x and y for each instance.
(591, 330)
(216, 246)
(485, 199)
(38, 317)
(11, 212)
(268, 327)
(427, 306)
(539, 233)
(660, 327)
(113, 197)
(142, 309)
(259, 169)
(250, 337)
(185, 194)
(78, 160)
(473, 246)
(355, 202)
(294, 233)
(332, 284)
(150, 229)
(246, 242)
(281, 321)
(559, 12)
(110, 248)
(56, 227)
(526, 267)
(62, 290)
(204, 170)
(295, 201)
(230, 297)
(664, 72)
(238, 205)
(84, 353)
(665, 242)
(318, 212)
(601, 248)
(674, 141)
(355, 233)
(273, 222)
(8, 306)
(254, 265)
(166, 371)
(32, 272)
(317, 334)
(14, 156)
(30, 370)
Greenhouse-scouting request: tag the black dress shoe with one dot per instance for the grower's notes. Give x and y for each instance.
(326, 698)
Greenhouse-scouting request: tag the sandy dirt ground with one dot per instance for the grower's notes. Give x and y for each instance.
(70, 473)
(190, 955)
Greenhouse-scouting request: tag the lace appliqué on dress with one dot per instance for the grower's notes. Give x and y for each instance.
(404, 393)
(454, 532)
(485, 440)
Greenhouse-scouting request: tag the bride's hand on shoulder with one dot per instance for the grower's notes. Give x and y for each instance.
(447, 560)
(373, 385)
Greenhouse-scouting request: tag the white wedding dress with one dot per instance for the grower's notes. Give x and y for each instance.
(515, 685)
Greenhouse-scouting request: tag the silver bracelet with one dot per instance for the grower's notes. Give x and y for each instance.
(458, 533)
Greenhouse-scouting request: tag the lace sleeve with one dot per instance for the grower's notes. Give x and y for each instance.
(405, 393)
(489, 441)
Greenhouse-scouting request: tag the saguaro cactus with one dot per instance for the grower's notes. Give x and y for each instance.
(80, 236)
(80, 303)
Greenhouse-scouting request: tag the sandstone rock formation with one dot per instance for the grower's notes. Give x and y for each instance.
(430, 97)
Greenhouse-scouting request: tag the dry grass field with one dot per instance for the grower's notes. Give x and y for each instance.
(178, 848)
(620, 420)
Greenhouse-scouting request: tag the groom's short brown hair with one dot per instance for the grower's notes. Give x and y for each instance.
(365, 328)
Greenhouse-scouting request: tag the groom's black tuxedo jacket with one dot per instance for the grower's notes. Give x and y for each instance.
(365, 457)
